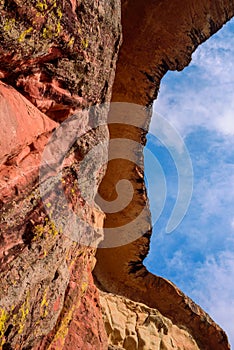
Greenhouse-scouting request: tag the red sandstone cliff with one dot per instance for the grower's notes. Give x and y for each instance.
(57, 57)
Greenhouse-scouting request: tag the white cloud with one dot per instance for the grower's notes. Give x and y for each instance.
(199, 256)
(232, 223)
(214, 191)
(214, 290)
(206, 98)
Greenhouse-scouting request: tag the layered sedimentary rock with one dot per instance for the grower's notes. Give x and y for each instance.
(52, 66)
(58, 57)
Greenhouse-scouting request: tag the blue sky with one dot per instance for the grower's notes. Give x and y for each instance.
(199, 255)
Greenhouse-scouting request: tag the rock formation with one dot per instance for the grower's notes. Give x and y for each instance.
(155, 42)
(52, 66)
(131, 325)
(57, 58)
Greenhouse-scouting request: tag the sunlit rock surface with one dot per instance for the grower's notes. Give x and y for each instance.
(131, 325)
(58, 57)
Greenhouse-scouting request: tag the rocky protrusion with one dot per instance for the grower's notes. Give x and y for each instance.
(157, 36)
(51, 52)
(135, 326)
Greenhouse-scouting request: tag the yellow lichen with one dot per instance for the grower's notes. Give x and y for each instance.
(55, 3)
(44, 305)
(84, 287)
(44, 301)
(9, 24)
(52, 229)
(59, 13)
(58, 28)
(38, 232)
(46, 33)
(21, 317)
(85, 43)
(51, 31)
(53, 26)
(71, 41)
(63, 329)
(49, 227)
(41, 6)
(23, 35)
(3, 319)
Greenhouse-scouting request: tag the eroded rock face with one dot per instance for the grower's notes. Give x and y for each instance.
(58, 57)
(134, 326)
(158, 36)
(52, 51)
(52, 66)
(46, 277)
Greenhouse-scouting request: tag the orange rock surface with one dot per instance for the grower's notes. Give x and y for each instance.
(57, 57)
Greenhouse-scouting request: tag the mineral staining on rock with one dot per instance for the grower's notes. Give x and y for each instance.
(58, 57)
(52, 53)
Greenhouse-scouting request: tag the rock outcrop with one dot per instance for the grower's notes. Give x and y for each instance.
(157, 37)
(57, 58)
(52, 66)
(131, 325)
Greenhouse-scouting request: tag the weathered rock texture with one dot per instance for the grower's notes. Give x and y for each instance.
(131, 325)
(157, 36)
(52, 53)
(57, 57)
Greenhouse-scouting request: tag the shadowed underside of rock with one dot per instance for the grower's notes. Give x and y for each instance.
(57, 57)
(157, 36)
